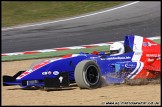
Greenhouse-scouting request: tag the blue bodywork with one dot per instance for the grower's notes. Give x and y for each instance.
(114, 68)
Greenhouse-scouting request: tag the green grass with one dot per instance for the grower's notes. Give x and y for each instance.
(21, 12)
(157, 41)
(53, 54)
(58, 53)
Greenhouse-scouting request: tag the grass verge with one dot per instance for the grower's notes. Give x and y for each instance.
(21, 12)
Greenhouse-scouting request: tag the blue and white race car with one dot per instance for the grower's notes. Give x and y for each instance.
(139, 59)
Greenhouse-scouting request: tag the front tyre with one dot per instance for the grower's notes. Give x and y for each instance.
(87, 74)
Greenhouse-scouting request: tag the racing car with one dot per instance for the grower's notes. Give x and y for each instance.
(141, 59)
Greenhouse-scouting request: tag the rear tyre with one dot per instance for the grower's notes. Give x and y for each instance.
(87, 74)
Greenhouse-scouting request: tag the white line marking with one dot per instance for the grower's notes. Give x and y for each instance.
(16, 53)
(9, 28)
(46, 50)
(76, 47)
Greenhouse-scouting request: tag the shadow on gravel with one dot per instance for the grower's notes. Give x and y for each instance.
(133, 82)
(58, 89)
(24, 89)
(45, 89)
(71, 87)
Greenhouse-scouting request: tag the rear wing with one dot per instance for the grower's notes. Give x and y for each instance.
(134, 43)
(128, 43)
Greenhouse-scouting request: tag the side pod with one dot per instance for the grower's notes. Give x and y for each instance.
(61, 81)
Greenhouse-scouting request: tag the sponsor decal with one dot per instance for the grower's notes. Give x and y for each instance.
(153, 55)
(55, 73)
(60, 78)
(150, 59)
(124, 57)
(44, 73)
(138, 53)
(129, 65)
(135, 47)
(148, 44)
(32, 82)
(49, 72)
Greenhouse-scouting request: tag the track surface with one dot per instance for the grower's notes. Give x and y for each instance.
(142, 18)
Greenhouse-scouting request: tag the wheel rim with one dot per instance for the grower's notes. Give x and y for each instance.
(92, 75)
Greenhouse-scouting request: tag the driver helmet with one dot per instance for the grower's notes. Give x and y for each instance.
(117, 48)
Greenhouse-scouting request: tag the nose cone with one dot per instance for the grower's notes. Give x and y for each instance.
(34, 68)
(11, 80)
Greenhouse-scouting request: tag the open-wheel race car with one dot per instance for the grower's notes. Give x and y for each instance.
(141, 58)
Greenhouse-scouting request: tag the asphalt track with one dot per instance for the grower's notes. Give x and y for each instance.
(142, 18)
